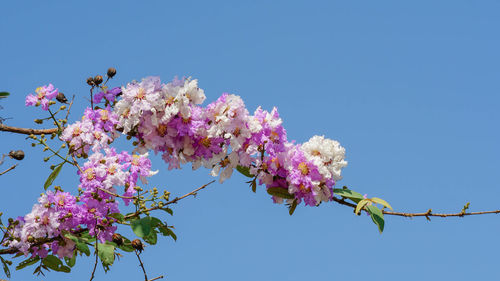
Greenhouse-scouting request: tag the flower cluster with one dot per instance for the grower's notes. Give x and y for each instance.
(59, 212)
(168, 119)
(94, 132)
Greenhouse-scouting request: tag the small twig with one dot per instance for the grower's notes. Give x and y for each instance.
(426, 214)
(142, 265)
(96, 252)
(69, 107)
(11, 168)
(116, 195)
(175, 200)
(156, 278)
(27, 131)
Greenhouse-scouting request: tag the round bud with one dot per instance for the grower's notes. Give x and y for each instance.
(61, 98)
(98, 79)
(90, 81)
(111, 72)
(137, 244)
(118, 239)
(17, 154)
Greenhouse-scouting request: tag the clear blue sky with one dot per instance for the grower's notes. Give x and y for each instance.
(409, 88)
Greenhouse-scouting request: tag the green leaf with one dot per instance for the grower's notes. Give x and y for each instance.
(377, 216)
(55, 263)
(244, 171)
(168, 210)
(280, 192)
(107, 253)
(4, 95)
(360, 205)
(71, 261)
(27, 262)
(152, 238)
(347, 193)
(119, 217)
(166, 231)
(141, 227)
(254, 185)
(155, 222)
(292, 207)
(381, 202)
(52, 176)
(6, 269)
(83, 247)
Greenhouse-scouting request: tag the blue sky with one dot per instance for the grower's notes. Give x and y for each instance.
(410, 89)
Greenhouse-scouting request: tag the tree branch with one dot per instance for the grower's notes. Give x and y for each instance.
(423, 214)
(27, 131)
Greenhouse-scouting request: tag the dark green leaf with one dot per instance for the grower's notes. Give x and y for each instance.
(6, 269)
(166, 231)
(82, 247)
(377, 216)
(141, 227)
(152, 238)
(27, 262)
(347, 193)
(168, 210)
(254, 185)
(280, 192)
(292, 207)
(55, 263)
(4, 95)
(52, 176)
(119, 217)
(107, 253)
(244, 171)
(155, 222)
(71, 261)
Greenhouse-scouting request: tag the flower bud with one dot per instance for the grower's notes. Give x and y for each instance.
(90, 81)
(118, 239)
(137, 244)
(98, 79)
(17, 154)
(61, 98)
(111, 72)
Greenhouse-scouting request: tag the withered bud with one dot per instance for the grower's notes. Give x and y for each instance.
(111, 72)
(90, 81)
(98, 79)
(137, 244)
(118, 239)
(17, 154)
(61, 98)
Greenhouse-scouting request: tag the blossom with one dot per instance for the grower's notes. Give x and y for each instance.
(43, 95)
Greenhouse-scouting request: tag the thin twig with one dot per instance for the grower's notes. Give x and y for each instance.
(142, 265)
(11, 168)
(27, 131)
(175, 200)
(96, 252)
(69, 107)
(156, 278)
(426, 214)
(116, 195)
